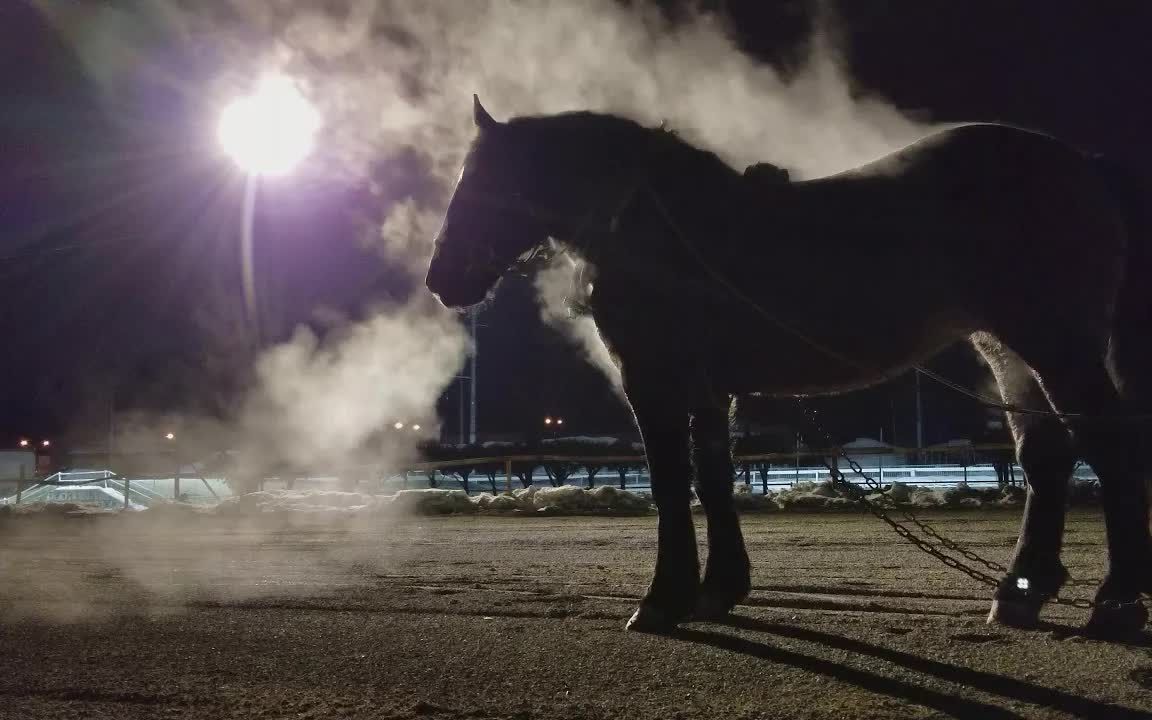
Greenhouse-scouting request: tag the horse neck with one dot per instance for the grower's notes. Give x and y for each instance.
(681, 194)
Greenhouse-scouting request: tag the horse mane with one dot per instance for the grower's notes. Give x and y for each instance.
(620, 137)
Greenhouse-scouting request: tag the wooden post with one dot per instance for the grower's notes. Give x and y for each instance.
(508, 475)
(797, 460)
(20, 485)
(127, 490)
(176, 486)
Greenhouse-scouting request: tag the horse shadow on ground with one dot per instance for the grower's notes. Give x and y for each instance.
(948, 704)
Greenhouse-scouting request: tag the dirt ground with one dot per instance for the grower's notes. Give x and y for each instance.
(489, 617)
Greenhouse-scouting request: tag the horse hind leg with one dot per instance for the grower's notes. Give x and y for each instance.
(1045, 451)
(727, 576)
(1075, 381)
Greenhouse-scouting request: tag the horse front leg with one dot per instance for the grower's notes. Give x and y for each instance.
(671, 596)
(727, 578)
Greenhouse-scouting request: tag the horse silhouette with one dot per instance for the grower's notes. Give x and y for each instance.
(1005, 238)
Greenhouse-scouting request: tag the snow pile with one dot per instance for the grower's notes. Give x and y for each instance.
(813, 496)
(563, 500)
(825, 495)
(900, 492)
(747, 501)
(313, 502)
(1081, 492)
(498, 503)
(602, 440)
(56, 508)
(569, 499)
(431, 501)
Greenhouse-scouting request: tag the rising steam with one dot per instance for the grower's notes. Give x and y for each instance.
(394, 78)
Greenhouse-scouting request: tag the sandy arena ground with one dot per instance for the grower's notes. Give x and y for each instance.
(489, 617)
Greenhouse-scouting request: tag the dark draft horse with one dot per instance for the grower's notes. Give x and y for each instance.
(985, 233)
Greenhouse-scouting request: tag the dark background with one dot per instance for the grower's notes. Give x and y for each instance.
(118, 282)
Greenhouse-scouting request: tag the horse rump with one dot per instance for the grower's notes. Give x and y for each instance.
(1130, 347)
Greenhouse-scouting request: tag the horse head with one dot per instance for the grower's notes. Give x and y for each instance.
(496, 215)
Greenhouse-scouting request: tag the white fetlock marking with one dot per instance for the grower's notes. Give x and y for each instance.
(647, 618)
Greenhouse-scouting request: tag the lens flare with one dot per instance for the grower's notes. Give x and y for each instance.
(270, 131)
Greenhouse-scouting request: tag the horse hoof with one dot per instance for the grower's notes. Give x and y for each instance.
(649, 619)
(1014, 613)
(712, 608)
(715, 606)
(1115, 619)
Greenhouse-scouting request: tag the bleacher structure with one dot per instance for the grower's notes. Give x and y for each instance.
(106, 489)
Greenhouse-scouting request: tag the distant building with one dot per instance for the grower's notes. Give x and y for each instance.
(15, 464)
(872, 453)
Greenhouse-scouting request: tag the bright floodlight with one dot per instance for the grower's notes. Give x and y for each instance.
(270, 131)
(23, 443)
(415, 427)
(170, 436)
(399, 426)
(45, 443)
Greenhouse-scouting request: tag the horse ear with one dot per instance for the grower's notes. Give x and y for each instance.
(480, 116)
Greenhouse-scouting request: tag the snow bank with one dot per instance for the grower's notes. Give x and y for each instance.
(564, 500)
(56, 508)
(602, 440)
(295, 501)
(827, 496)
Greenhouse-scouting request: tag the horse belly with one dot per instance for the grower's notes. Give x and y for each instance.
(862, 354)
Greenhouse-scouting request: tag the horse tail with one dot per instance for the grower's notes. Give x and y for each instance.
(1130, 346)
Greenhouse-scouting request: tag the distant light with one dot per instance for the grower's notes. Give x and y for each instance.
(23, 443)
(415, 427)
(1022, 584)
(547, 421)
(45, 443)
(270, 131)
(170, 436)
(559, 421)
(399, 426)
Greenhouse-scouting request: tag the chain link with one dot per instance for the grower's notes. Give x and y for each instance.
(877, 508)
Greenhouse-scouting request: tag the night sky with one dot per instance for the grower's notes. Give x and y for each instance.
(119, 283)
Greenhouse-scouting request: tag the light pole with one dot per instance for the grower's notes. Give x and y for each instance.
(472, 382)
(266, 133)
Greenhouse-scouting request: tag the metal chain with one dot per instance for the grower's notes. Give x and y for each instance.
(875, 508)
